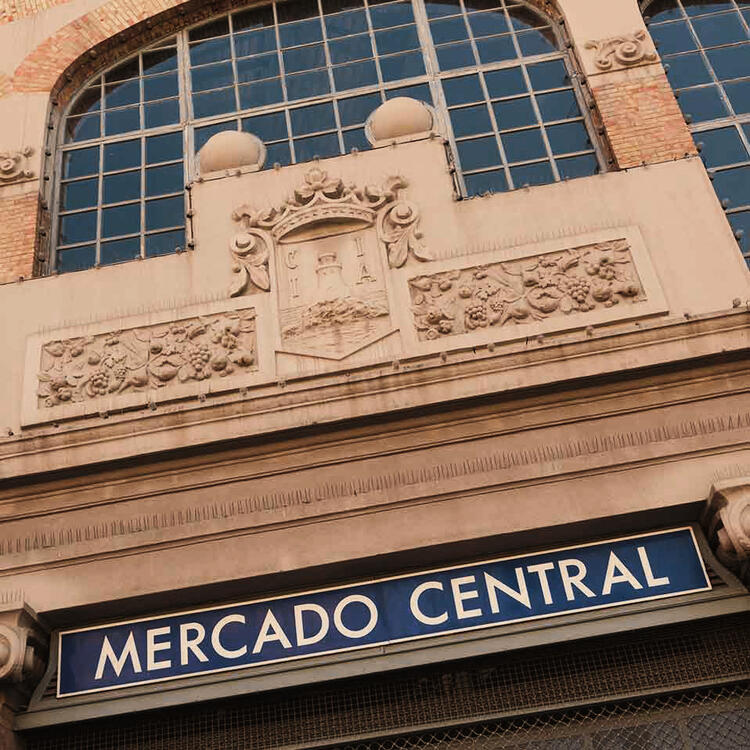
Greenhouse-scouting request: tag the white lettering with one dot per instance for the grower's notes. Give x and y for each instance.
(459, 597)
(227, 653)
(191, 644)
(152, 647)
(623, 575)
(646, 565)
(541, 571)
(576, 580)
(107, 653)
(306, 640)
(270, 631)
(345, 602)
(522, 595)
(414, 604)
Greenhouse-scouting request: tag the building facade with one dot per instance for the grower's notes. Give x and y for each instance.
(375, 374)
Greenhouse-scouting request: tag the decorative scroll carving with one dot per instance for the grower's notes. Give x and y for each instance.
(148, 358)
(14, 165)
(727, 522)
(526, 290)
(324, 206)
(623, 51)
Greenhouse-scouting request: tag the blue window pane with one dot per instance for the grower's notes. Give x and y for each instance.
(267, 127)
(559, 105)
(304, 58)
(463, 90)
(214, 103)
(81, 162)
(297, 10)
(128, 69)
(218, 27)
(355, 75)
(475, 154)
(454, 56)
(663, 10)
(391, 14)
(702, 104)
(77, 228)
(577, 166)
(118, 251)
(212, 51)
(733, 185)
(166, 112)
(548, 75)
(471, 120)
(212, 76)
(397, 40)
(122, 121)
(163, 147)
(483, 182)
(165, 212)
(203, 134)
(76, 259)
(523, 145)
(80, 194)
(568, 138)
(121, 220)
(122, 155)
(125, 186)
(312, 119)
(261, 93)
(687, 70)
(719, 29)
(507, 82)
(730, 62)
(449, 30)
(419, 91)
(300, 32)
(160, 87)
(402, 66)
(254, 42)
(163, 180)
(489, 22)
(720, 147)
(739, 96)
(159, 61)
(88, 101)
(164, 243)
(700, 7)
(673, 37)
(122, 94)
(344, 24)
(537, 41)
(525, 18)
(352, 48)
(496, 48)
(255, 18)
(302, 85)
(278, 153)
(514, 113)
(256, 68)
(355, 139)
(532, 174)
(357, 109)
(319, 145)
(439, 9)
(740, 223)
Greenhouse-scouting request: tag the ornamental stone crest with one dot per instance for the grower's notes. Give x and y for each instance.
(621, 51)
(14, 165)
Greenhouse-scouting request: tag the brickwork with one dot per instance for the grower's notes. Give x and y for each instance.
(642, 120)
(18, 222)
(13, 10)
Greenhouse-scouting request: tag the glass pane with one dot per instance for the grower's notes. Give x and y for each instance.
(302, 85)
(687, 70)
(559, 105)
(391, 14)
(163, 147)
(218, 27)
(537, 42)
(122, 155)
(523, 145)
(437, 9)
(121, 220)
(419, 91)
(162, 180)
(663, 10)
(357, 109)
(507, 82)
(304, 58)
(278, 153)
(77, 228)
(255, 68)
(702, 104)
(489, 22)
(212, 51)
(525, 18)
(214, 103)
(355, 139)
(568, 138)
(125, 186)
(397, 40)
(159, 61)
(212, 76)
(255, 18)
(312, 119)
(463, 90)
(454, 56)
(486, 182)
(76, 259)
(261, 93)
(719, 29)
(346, 23)
(88, 101)
(81, 194)
(470, 121)
(700, 7)
(475, 154)
(720, 147)
(449, 30)
(739, 96)
(532, 174)
(82, 128)
(496, 48)
(300, 32)
(740, 223)
(514, 113)
(297, 10)
(81, 162)
(165, 212)
(352, 48)
(160, 87)
(157, 114)
(203, 134)
(730, 62)
(673, 37)
(733, 185)
(267, 127)
(397, 67)
(129, 69)
(355, 75)
(120, 250)
(548, 75)
(164, 243)
(254, 42)
(577, 166)
(122, 120)
(318, 145)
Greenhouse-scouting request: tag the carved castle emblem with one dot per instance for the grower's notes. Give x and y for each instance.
(327, 248)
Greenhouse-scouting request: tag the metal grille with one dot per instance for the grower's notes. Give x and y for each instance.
(497, 700)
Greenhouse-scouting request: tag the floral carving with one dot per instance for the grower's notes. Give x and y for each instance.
(14, 165)
(522, 291)
(629, 49)
(148, 358)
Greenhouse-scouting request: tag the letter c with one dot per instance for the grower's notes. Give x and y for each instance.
(414, 604)
(227, 653)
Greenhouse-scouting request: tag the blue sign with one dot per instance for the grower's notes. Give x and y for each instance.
(419, 605)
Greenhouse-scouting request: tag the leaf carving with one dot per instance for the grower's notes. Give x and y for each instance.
(239, 284)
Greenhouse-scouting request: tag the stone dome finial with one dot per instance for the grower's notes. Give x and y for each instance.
(399, 118)
(231, 149)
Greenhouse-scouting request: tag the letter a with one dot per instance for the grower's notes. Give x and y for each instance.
(623, 575)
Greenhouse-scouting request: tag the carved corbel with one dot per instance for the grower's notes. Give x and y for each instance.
(727, 524)
(14, 165)
(621, 51)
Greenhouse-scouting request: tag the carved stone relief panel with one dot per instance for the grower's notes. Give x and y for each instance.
(622, 51)
(14, 165)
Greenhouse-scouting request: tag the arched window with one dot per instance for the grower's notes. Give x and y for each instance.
(705, 47)
(304, 76)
